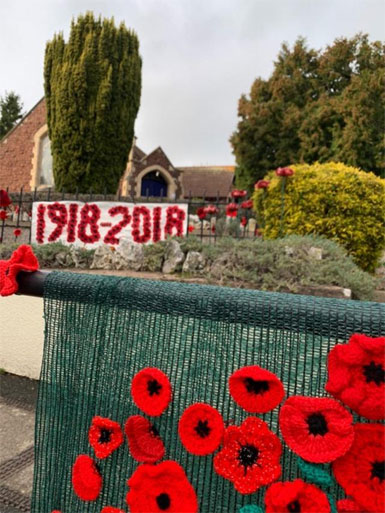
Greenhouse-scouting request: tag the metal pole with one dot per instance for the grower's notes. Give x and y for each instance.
(31, 283)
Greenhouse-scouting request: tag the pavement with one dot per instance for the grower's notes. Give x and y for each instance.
(17, 421)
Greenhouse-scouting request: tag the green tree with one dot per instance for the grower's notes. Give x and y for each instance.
(92, 87)
(316, 106)
(10, 112)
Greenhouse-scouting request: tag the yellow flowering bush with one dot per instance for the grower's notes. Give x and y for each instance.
(339, 202)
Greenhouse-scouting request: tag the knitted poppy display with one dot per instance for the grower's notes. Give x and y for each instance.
(22, 259)
(236, 193)
(250, 456)
(232, 210)
(105, 436)
(262, 184)
(143, 439)
(86, 479)
(357, 375)
(296, 497)
(201, 213)
(211, 210)
(151, 391)
(247, 204)
(284, 171)
(201, 429)
(3, 215)
(317, 429)
(110, 509)
(348, 506)
(159, 488)
(5, 200)
(255, 389)
(361, 471)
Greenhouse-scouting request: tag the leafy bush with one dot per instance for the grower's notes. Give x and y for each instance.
(336, 201)
(285, 264)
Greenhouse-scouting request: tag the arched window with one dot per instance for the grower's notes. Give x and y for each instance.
(154, 185)
(44, 169)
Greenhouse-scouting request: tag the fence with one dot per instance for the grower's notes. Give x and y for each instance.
(207, 219)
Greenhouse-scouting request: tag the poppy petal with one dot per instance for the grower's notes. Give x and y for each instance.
(255, 389)
(105, 436)
(159, 488)
(151, 391)
(317, 429)
(201, 429)
(144, 442)
(361, 470)
(296, 496)
(86, 479)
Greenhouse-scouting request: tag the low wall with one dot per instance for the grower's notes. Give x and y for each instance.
(21, 335)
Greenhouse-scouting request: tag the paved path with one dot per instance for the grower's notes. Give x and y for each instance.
(17, 418)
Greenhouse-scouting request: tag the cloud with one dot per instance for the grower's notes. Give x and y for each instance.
(199, 56)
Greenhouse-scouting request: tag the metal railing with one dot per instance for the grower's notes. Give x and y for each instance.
(15, 225)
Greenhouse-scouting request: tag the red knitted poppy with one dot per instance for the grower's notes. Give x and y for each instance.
(110, 509)
(159, 488)
(232, 210)
(236, 193)
(22, 259)
(318, 429)
(151, 391)
(247, 204)
(105, 436)
(3, 214)
(357, 375)
(86, 479)
(143, 439)
(5, 200)
(296, 496)
(255, 389)
(250, 456)
(284, 171)
(360, 471)
(262, 184)
(348, 506)
(201, 429)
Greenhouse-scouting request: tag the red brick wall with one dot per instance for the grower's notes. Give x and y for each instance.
(16, 150)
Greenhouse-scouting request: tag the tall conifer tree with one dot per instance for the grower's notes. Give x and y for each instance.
(92, 87)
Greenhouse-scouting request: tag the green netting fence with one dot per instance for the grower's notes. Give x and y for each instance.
(100, 331)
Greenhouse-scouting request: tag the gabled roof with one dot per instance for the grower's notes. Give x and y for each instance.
(209, 181)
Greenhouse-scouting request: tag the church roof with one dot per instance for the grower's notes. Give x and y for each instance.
(208, 181)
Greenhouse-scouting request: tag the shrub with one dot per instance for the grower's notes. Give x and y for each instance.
(336, 201)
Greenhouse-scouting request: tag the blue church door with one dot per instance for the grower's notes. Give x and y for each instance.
(154, 185)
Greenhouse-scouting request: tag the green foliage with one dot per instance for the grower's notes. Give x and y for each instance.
(285, 265)
(338, 202)
(92, 88)
(316, 106)
(10, 112)
(153, 257)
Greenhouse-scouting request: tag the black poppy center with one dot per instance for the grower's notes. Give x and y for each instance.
(248, 455)
(154, 387)
(255, 386)
(374, 372)
(105, 436)
(378, 470)
(317, 424)
(153, 430)
(294, 507)
(163, 501)
(202, 428)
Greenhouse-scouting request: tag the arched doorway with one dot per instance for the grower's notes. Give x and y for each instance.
(154, 185)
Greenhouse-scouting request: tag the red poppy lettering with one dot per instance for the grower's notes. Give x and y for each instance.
(156, 213)
(146, 226)
(72, 220)
(117, 228)
(57, 213)
(89, 216)
(174, 221)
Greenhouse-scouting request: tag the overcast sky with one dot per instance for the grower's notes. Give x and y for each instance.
(199, 56)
